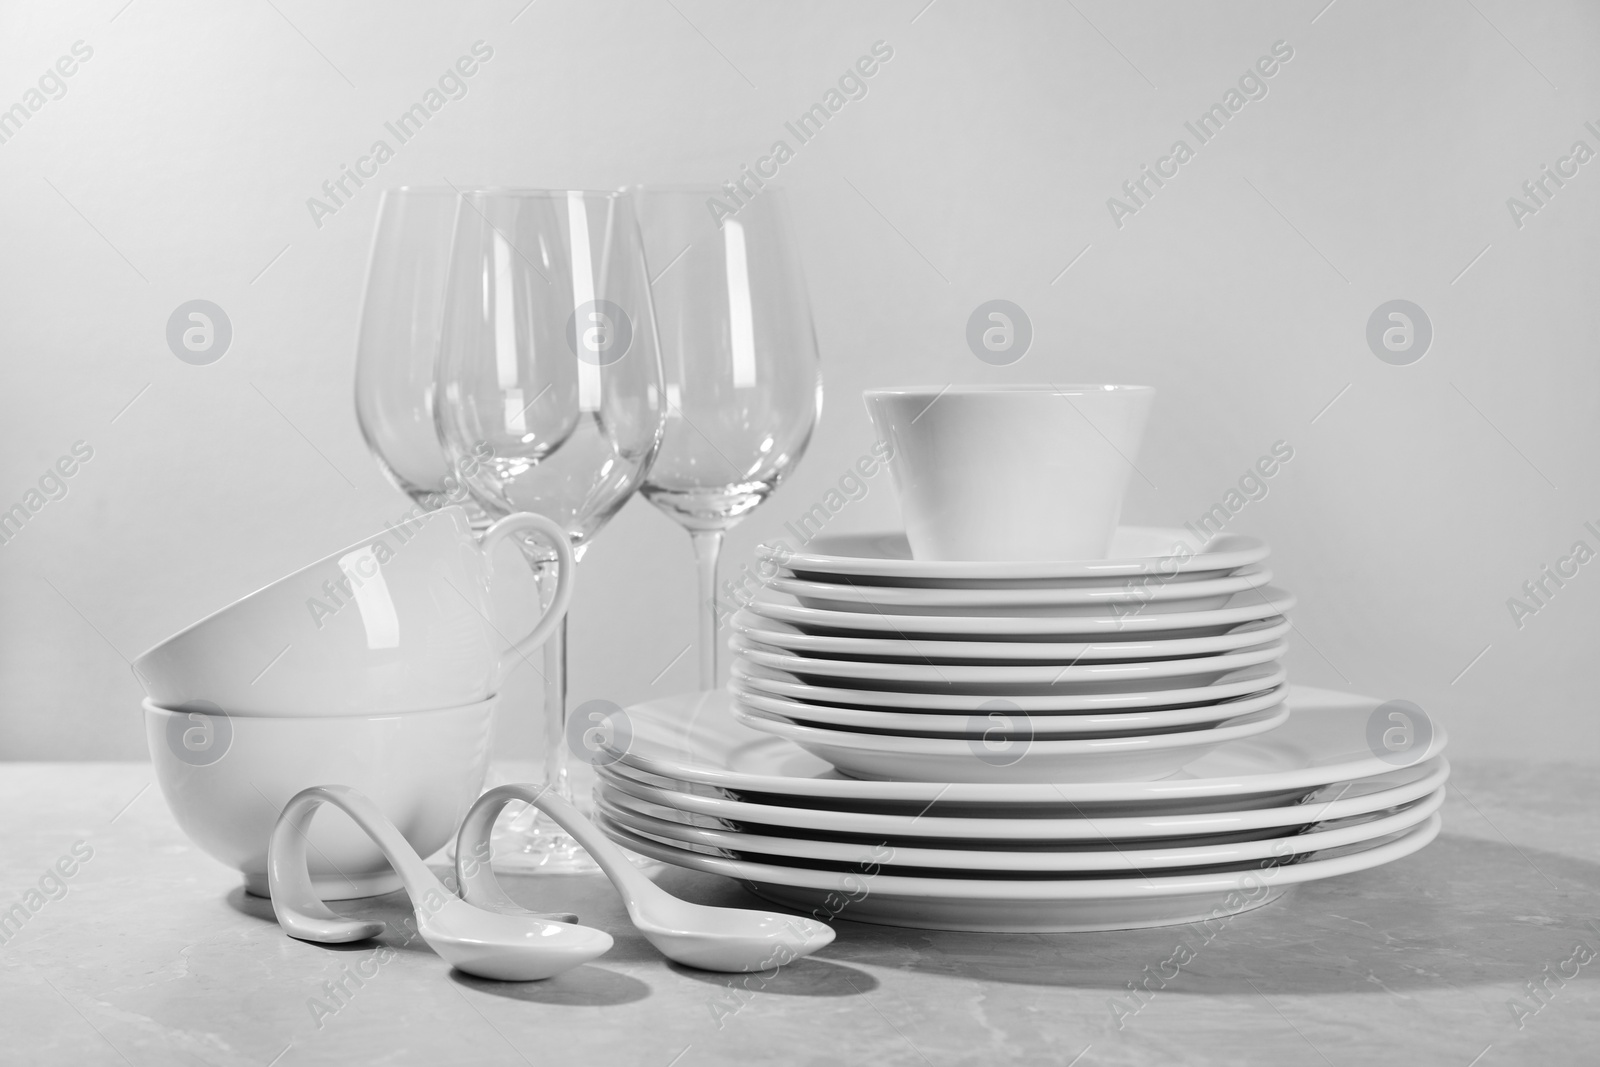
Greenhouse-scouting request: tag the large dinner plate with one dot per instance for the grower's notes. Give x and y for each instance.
(1244, 682)
(1134, 550)
(1026, 904)
(1009, 827)
(1002, 678)
(991, 756)
(1030, 724)
(1125, 857)
(924, 650)
(1247, 606)
(1148, 594)
(693, 737)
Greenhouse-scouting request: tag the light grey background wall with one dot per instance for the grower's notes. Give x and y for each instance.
(178, 162)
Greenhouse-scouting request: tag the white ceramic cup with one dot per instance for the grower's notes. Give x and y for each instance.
(1002, 472)
(227, 777)
(403, 621)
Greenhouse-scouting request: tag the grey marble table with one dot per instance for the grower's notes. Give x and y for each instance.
(1475, 951)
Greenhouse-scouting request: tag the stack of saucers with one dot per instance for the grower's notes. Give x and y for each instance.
(1022, 746)
(1119, 669)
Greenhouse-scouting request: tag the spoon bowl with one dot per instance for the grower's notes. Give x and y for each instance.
(735, 940)
(729, 939)
(507, 948)
(494, 944)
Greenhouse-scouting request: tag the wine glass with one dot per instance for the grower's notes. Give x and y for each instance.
(740, 358)
(549, 373)
(398, 343)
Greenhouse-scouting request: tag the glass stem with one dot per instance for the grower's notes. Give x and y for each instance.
(555, 712)
(707, 547)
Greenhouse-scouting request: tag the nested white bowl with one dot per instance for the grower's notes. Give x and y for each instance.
(226, 778)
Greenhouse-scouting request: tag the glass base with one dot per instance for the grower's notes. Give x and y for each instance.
(525, 841)
(531, 843)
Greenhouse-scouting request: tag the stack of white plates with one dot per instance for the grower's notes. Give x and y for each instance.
(1237, 827)
(1021, 746)
(1122, 669)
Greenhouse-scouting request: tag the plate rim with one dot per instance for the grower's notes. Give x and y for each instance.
(991, 674)
(1153, 825)
(1100, 701)
(1281, 602)
(1231, 584)
(827, 645)
(1312, 776)
(1134, 886)
(978, 570)
(1052, 722)
(1274, 716)
(1411, 813)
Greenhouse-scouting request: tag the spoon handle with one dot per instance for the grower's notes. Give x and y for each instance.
(478, 883)
(300, 911)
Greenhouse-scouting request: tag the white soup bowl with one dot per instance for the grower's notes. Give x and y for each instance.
(226, 778)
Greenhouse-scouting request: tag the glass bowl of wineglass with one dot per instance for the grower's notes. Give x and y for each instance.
(548, 387)
(398, 344)
(739, 354)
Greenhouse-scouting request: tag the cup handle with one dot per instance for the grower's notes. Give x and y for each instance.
(566, 565)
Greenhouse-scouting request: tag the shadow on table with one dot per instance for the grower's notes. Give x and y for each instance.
(245, 904)
(392, 909)
(586, 986)
(811, 977)
(596, 904)
(589, 985)
(1463, 911)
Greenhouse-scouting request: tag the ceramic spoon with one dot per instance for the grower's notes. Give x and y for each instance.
(490, 944)
(712, 939)
(482, 857)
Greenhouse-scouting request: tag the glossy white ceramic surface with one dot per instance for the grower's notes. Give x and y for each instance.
(1248, 606)
(694, 738)
(1010, 904)
(1002, 679)
(735, 940)
(227, 778)
(1036, 824)
(505, 948)
(997, 753)
(1123, 857)
(1011, 472)
(1234, 684)
(402, 621)
(1129, 598)
(934, 650)
(885, 558)
(1039, 725)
